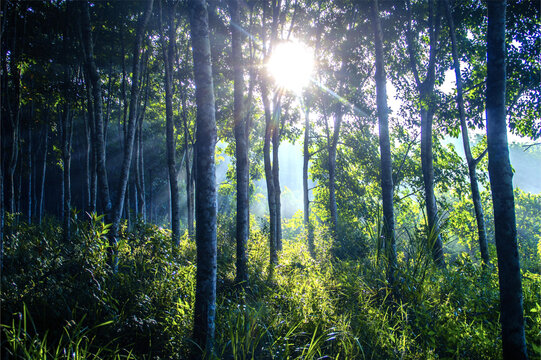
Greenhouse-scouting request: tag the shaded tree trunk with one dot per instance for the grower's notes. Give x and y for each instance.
(205, 180)
(29, 170)
(276, 175)
(271, 197)
(43, 169)
(128, 146)
(306, 163)
(501, 185)
(332, 169)
(241, 131)
(168, 53)
(66, 159)
(99, 138)
(386, 169)
(471, 161)
(427, 108)
(189, 173)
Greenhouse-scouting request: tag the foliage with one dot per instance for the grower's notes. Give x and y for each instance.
(61, 299)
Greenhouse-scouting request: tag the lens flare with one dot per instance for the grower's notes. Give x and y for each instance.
(291, 65)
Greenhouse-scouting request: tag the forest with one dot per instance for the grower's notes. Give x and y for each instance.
(270, 179)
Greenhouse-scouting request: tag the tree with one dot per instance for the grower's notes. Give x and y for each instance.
(168, 55)
(242, 134)
(470, 160)
(425, 88)
(386, 170)
(501, 185)
(132, 119)
(93, 80)
(205, 180)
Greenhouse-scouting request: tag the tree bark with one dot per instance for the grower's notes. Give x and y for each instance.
(306, 163)
(168, 54)
(472, 163)
(427, 108)
(241, 145)
(205, 180)
(99, 138)
(276, 174)
(66, 159)
(43, 171)
(332, 170)
(386, 169)
(128, 146)
(501, 185)
(29, 171)
(271, 197)
(189, 173)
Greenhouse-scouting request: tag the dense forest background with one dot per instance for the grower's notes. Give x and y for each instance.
(172, 187)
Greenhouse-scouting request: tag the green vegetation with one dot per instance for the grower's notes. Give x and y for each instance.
(63, 301)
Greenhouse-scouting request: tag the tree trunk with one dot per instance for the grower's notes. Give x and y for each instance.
(99, 139)
(276, 175)
(189, 174)
(306, 162)
(271, 197)
(241, 145)
(501, 185)
(332, 170)
(427, 108)
(43, 172)
(14, 117)
(205, 180)
(91, 151)
(472, 163)
(128, 146)
(66, 159)
(29, 170)
(168, 53)
(386, 169)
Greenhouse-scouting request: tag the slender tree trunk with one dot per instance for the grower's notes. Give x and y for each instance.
(140, 164)
(472, 163)
(14, 116)
(150, 197)
(501, 185)
(271, 197)
(128, 148)
(29, 170)
(189, 174)
(99, 138)
(306, 163)
(332, 170)
(91, 151)
(427, 108)
(205, 180)
(386, 169)
(241, 145)
(66, 159)
(43, 171)
(276, 176)
(169, 52)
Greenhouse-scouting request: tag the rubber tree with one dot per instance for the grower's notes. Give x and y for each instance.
(168, 55)
(205, 180)
(425, 88)
(386, 170)
(132, 119)
(242, 133)
(501, 186)
(470, 160)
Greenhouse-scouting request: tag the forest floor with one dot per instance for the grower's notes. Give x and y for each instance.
(63, 301)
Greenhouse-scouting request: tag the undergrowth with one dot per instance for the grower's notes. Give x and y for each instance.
(64, 301)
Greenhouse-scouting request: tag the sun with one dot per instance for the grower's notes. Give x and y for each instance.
(291, 65)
